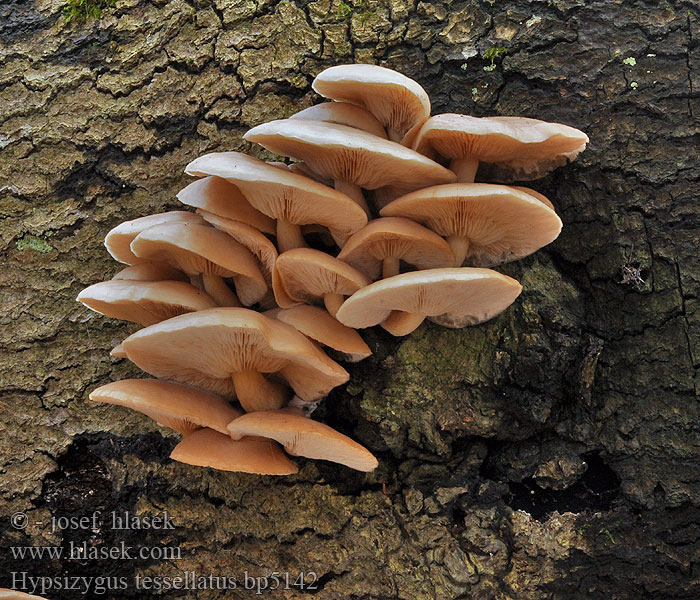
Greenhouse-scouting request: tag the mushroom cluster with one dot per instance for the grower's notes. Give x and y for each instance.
(376, 219)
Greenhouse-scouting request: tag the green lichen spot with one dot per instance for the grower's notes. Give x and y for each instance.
(29, 242)
(631, 61)
(344, 11)
(494, 53)
(634, 85)
(490, 67)
(82, 10)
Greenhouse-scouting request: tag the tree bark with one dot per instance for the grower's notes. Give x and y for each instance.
(536, 456)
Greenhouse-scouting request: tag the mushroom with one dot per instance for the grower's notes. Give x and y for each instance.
(379, 246)
(229, 350)
(354, 159)
(203, 250)
(219, 197)
(343, 113)
(290, 198)
(491, 224)
(302, 436)
(518, 148)
(118, 351)
(460, 296)
(151, 271)
(317, 324)
(209, 448)
(179, 407)
(398, 102)
(118, 240)
(6, 594)
(144, 302)
(313, 277)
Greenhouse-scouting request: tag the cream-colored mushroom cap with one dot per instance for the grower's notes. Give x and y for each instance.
(463, 296)
(535, 194)
(209, 448)
(227, 351)
(118, 351)
(6, 594)
(346, 154)
(302, 436)
(290, 198)
(200, 249)
(144, 302)
(321, 327)
(151, 271)
(118, 240)
(516, 148)
(314, 277)
(379, 246)
(179, 407)
(343, 114)
(222, 198)
(397, 101)
(261, 248)
(486, 223)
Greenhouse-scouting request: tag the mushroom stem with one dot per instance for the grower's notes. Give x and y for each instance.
(402, 323)
(216, 287)
(460, 247)
(390, 267)
(333, 302)
(254, 392)
(268, 301)
(289, 236)
(464, 168)
(354, 192)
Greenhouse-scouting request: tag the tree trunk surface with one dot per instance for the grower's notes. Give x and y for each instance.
(552, 452)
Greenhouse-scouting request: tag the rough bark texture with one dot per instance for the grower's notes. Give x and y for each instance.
(551, 453)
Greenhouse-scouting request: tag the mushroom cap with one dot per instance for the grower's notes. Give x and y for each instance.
(348, 154)
(518, 148)
(281, 194)
(209, 448)
(262, 248)
(306, 275)
(6, 594)
(320, 326)
(144, 302)
(501, 223)
(395, 237)
(118, 240)
(151, 271)
(204, 348)
(466, 294)
(222, 198)
(302, 436)
(343, 113)
(398, 102)
(118, 351)
(535, 194)
(201, 249)
(180, 407)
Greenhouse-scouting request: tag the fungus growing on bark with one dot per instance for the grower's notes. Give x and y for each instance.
(229, 351)
(151, 271)
(6, 594)
(343, 113)
(490, 224)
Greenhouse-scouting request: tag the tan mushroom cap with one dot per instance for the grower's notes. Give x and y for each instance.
(302, 436)
(346, 154)
(118, 351)
(6, 594)
(463, 296)
(209, 448)
(398, 102)
(314, 277)
(222, 198)
(321, 327)
(379, 246)
(179, 407)
(517, 148)
(488, 224)
(261, 248)
(290, 198)
(118, 240)
(343, 113)
(201, 249)
(144, 302)
(535, 194)
(226, 351)
(151, 271)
